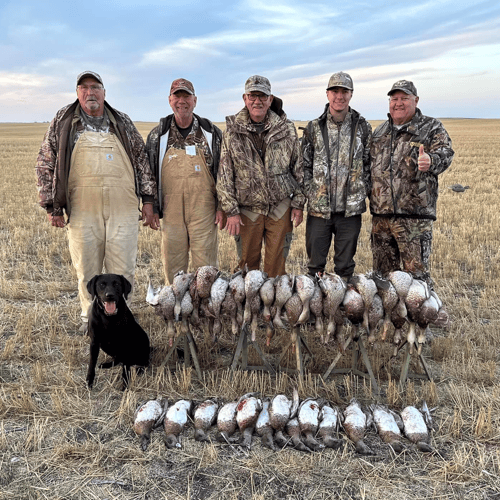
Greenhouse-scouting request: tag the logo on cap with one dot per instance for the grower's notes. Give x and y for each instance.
(340, 79)
(405, 86)
(258, 83)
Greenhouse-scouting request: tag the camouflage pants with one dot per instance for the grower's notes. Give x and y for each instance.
(399, 241)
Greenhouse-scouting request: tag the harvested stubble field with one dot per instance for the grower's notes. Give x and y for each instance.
(58, 440)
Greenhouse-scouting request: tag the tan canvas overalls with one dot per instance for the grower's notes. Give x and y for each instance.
(103, 227)
(188, 211)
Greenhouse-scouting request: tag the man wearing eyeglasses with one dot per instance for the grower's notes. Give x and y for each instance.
(408, 153)
(184, 152)
(93, 171)
(260, 178)
(336, 154)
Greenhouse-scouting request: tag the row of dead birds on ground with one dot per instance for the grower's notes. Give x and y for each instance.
(366, 301)
(308, 426)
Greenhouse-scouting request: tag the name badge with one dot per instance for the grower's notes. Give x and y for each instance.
(109, 157)
(191, 150)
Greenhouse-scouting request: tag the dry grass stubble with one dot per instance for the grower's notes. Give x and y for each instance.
(58, 440)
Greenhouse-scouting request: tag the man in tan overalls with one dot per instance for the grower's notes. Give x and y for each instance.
(93, 166)
(184, 151)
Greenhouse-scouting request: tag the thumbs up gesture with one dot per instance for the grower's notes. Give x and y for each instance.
(424, 160)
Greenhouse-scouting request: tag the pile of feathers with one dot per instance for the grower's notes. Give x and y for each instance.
(308, 425)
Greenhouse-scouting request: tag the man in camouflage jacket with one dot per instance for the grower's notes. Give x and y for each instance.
(91, 116)
(408, 153)
(336, 155)
(260, 178)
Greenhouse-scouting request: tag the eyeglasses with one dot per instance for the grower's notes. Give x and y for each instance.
(92, 88)
(404, 99)
(254, 97)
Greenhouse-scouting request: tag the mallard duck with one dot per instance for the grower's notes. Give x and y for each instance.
(367, 288)
(316, 307)
(253, 281)
(267, 296)
(330, 421)
(237, 288)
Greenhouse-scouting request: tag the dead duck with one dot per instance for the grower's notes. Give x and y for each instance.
(293, 430)
(281, 411)
(217, 295)
(293, 308)
(180, 286)
(354, 308)
(248, 409)
(263, 426)
(267, 296)
(147, 417)
(416, 429)
(229, 309)
(389, 298)
(316, 307)
(204, 417)
(387, 427)
(164, 303)
(226, 421)
(254, 314)
(175, 420)
(418, 293)
(186, 310)
(237, 289)
(367, 288)
(304, 286)
(375, 317)
(355, 424)
(334, 289)
(283, 291)
(330, 421)
(309, 417)
(253, 281)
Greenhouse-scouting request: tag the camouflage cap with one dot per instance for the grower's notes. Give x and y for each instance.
(405, 86)
(91, 74)
(258, 83)
(340, 79)
(181, 84)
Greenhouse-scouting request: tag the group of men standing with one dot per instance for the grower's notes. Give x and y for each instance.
(253, 180)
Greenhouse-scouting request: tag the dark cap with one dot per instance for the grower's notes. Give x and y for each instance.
(340, 79)
(181, 84)
(258, 83)
(81, 76)
(405, 86)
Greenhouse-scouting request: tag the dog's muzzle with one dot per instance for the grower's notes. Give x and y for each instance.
(110, 308)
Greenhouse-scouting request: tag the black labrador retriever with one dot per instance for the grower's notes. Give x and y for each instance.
(113, 328)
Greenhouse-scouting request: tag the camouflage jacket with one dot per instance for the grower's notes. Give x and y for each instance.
(212, 134)
(320, 166)
(398, 188)
(54, 158)
(245, 180)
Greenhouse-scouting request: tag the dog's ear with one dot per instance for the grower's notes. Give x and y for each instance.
(127, 287)
(91, 286)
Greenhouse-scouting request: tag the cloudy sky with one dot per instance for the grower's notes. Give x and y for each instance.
(450, 49)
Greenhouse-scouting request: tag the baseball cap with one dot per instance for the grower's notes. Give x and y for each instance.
(340, 79)
(181, 84)
(404, 85)
(81, 76)
(258, 83)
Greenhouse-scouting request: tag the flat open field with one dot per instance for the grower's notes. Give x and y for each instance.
(58, 440)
